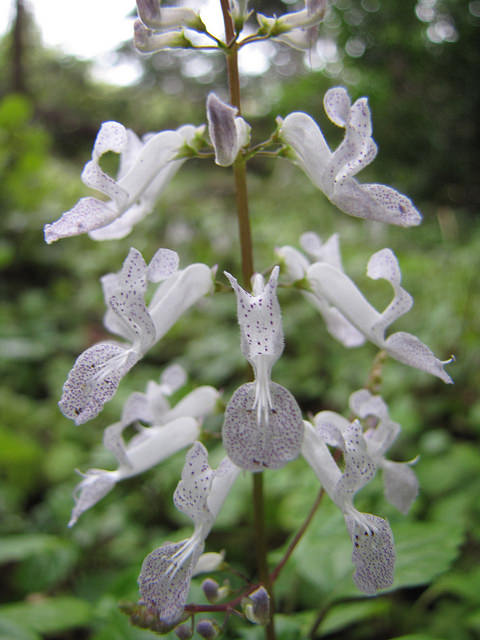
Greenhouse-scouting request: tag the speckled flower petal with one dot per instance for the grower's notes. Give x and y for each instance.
(373, 552)
(163, 264)
(95, 485)
(270, 445)
(93, 177)
(331, 426)
(359, 466)
(355, 152)
(124, 292)
(164, 580)
(376, 202)
(86, 215)
(384, 265)
(408, 349)
(94, 379)
(139, 327)
(112, 136)
(337, 103)
(380, 438)
(260, 321)
(192, 491)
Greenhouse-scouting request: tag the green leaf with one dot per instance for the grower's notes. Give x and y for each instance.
(464, 584)
(49, 615)
(345, 614)
(424, 551)
(19, 547)
(418, 636)
(10, 630)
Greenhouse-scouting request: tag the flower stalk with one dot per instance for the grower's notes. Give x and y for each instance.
(246, 248)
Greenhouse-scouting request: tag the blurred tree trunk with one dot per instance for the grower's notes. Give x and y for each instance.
(18, 48)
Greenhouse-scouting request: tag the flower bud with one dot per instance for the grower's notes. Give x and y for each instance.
(148, 41)
(184, 632)
(256, 606)
(228, 132)
(210, 589)
(208, 629)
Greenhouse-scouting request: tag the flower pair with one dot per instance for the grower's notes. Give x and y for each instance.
(171, 429)
(98, 371)
(350, 318)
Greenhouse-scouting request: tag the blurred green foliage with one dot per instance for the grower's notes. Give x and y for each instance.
(66, 584)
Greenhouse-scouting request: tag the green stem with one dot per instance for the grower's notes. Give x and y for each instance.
(244, 231)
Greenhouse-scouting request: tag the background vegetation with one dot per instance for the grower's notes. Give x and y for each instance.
(418, 63)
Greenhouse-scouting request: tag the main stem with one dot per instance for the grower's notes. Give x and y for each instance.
(241, 194)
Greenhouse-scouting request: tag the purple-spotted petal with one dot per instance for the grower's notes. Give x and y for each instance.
(193, 489)
(384, 264)
(376, 202)
(359, 466)
(112, 136)
(260, 321)
(164, 580)
(331, 426)
(408, 349)
(269, 445)
(373, 552)
(337, 103)
(94, 379)
(86, 215)
(163, 264)
(93, 177)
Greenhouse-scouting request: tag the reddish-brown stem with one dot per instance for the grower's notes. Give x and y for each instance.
(298, 536)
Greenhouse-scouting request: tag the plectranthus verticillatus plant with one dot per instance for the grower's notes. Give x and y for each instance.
(263, 425)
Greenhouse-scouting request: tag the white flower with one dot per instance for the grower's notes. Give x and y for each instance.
(163, 27)
(400, 481)
(172, 429)
(336, 287)
(98, 371)
(372, 539)
(164, 580)
(263, 425)
(149, 41)
(296, 268)
(293, 28)
(145, 168)
(333, 172)
(154, 16)
(145, 450)
(228, 132)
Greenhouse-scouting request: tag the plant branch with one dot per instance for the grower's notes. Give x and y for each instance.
(298, 536)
